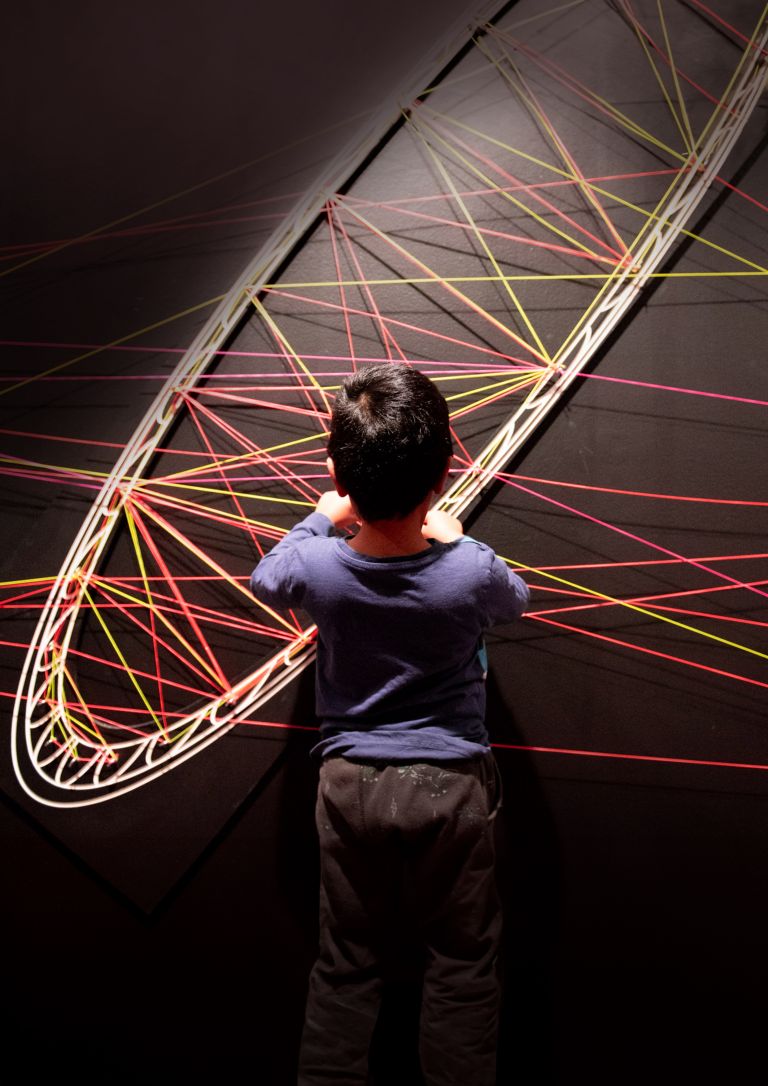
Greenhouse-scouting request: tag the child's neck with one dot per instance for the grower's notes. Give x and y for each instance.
(394, 538)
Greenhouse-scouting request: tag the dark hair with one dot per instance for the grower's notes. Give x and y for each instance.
(390, 439)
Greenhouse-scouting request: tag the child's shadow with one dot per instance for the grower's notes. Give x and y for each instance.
(529, 878)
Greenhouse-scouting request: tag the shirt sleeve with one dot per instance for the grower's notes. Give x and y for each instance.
(507, 596)
(277, 580)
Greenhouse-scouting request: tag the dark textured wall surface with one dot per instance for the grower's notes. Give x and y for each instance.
(167, 936)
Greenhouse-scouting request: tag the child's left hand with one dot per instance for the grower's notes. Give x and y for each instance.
(442, 526)
(338, 510)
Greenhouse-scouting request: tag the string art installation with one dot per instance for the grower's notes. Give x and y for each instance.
(514, 217)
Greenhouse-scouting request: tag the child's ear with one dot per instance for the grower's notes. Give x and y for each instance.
(332, 472)
(439, 486)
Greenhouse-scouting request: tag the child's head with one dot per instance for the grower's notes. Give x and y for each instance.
(390, 439)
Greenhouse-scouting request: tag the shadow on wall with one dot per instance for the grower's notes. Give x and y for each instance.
(298, 870)
(529, 876)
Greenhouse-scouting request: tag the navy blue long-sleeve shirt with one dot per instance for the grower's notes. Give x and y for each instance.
(400, 659)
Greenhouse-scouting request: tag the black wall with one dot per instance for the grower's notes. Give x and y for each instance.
(167, 936)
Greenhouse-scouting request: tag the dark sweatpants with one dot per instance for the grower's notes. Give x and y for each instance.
(406, 850)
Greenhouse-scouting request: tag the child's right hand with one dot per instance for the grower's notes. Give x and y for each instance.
(442, 527)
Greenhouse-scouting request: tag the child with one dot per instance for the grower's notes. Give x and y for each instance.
(408, 785)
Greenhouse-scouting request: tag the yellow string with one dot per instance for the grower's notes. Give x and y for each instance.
(130, 597)
(270, 322)
(736, 75)
(451, 289)
(219, 492)
(681, 100)
(114, 343)
(527, 97)
(121, 658)
(662, 86)
(481, 239)
(184, 192)
(208, 561)
(635, 607)
(512, 385)
(94, 729)
(534, 277)
(500, 191)
(632, 126)
(244, 458)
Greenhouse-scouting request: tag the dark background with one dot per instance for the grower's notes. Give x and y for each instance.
(168, 936)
